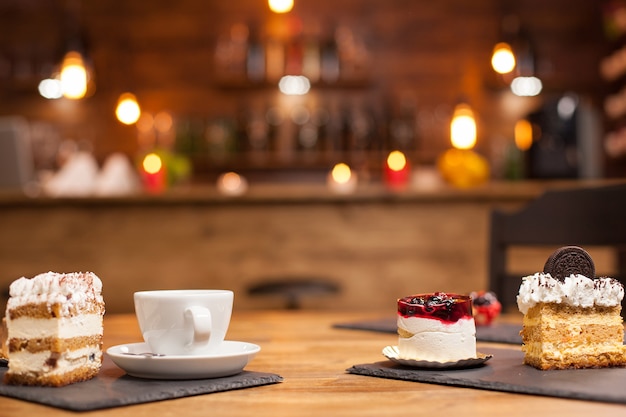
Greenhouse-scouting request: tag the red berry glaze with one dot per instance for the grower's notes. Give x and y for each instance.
(441, 306)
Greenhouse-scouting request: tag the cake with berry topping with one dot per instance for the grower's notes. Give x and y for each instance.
(485, 306)
(571, 318)
(436, 327)
(54, 329)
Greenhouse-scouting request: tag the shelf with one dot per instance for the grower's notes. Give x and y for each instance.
(241, 83)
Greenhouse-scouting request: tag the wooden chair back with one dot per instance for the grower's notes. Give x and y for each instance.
(591, 216)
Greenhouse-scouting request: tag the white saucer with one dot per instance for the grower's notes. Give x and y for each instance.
(392, 353)
(229, 359)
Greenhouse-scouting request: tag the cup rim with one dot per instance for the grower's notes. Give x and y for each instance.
(191, 292)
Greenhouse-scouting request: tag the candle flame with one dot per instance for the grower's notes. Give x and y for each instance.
(232, 184)
(341, 173)
(152, 163)
(396, 161)
(231, 181)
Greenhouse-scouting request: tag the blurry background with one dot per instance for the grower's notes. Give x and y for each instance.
(384, 75)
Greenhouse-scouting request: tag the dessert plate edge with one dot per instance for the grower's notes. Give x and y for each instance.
(391, 353)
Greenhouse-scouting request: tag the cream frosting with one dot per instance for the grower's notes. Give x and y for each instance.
(62, 328)
(27, 362)
(434, 340)
(71, 289)
(575, 290)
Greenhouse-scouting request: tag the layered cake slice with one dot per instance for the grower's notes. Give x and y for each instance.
(54, 329)
(571, 319)
(436, 327)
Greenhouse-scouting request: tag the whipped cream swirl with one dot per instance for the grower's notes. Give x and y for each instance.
(575, 290)
(71, 289)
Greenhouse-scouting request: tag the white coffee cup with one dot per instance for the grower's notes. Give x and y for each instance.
(183, 322)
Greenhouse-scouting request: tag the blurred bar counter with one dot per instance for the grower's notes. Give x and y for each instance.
(303, 193)
(375, 244)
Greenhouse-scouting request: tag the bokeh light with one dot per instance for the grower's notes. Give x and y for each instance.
(526, 86)
(503, 59)
(152, 163)
(396, 161)
(463, 128)
(73, 76)
(128, 110)
(341, 173)
(51, 88)
(280, 6)
(294, 85)
(523, 134)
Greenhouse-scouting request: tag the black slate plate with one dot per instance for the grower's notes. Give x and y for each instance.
(505, 372)
(113, 388)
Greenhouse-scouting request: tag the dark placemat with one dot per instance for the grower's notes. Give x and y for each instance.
(500, 333)
(497, 332)
(505, 372)
(113, 388)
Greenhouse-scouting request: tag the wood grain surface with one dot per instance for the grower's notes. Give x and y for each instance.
(312, 357)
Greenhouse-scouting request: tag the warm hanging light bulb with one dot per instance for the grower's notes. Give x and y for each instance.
(280, 6)
(128, 110)
(73, 76)
(463, 127)
(503, 60)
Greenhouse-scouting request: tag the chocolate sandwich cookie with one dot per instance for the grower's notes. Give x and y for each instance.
(569, 260)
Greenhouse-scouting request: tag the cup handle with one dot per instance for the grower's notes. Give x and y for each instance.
(200, 320)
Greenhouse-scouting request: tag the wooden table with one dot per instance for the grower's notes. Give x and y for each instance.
(312, 356)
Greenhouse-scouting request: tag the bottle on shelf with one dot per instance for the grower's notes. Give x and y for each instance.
(255, 57)
(238, 47)
(329, 64)
(274, 59)
(275, 118)
(311, 60)
(293, 57)
(402, 127)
